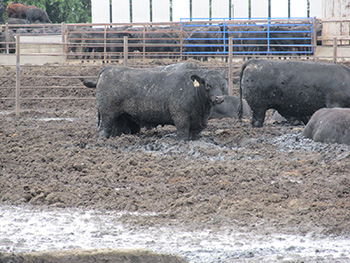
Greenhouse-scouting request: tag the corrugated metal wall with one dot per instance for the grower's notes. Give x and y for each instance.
(100, 11)
(161, 11)
(200, 9)
(181, 8)
(220, 8)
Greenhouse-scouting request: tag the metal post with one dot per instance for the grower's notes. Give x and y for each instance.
(314, 35)
(335, 51)
(126, 51)
(18, 84)
(105, 44)
(64, 40)
(7, 38)
(230, 63)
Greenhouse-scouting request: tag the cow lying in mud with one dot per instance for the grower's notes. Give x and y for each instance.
(295, 89)
(128, 99)
(229, 108)
(329, 125)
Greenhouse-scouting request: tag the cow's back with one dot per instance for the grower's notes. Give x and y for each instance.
(330, 125)
(295, 89)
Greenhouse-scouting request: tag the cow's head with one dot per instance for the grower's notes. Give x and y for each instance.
(214, 94)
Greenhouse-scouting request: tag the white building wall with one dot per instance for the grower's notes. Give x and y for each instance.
(140, 11)
(279, 8)
(200, 8)
(120, 11)
(259, 8)
(220, 8)
(240, 8)
(160, 11)
(298, 8)
(181, 9)
(316, 8)
(100, 11)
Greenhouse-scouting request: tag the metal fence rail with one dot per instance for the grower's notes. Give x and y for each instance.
(270, 36)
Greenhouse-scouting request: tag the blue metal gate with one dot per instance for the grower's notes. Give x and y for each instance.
(268, 36)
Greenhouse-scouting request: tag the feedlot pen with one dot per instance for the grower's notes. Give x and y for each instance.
(81, 50)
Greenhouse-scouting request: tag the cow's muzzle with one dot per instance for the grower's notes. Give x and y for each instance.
(219, 99)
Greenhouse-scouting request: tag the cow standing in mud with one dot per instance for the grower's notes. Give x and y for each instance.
(295, 89)
(132, 98)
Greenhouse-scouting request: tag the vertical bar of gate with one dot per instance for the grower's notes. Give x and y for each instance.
(230, 68)
(126, 49)
(268, 35)
(105, 44)
(18, 84)
(64, 40)
(335, 50)
(181, 41)
(224, 34)
(144, 42)
(314, 36)
(7, 38)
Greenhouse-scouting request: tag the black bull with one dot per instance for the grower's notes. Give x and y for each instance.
(129, 98)
(295, 89)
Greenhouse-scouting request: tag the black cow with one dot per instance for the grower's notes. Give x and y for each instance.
(140, 97)
(2, 11)
(329, 125)
(219, 77)
(36, 15)
(229, 108)
(295, 89)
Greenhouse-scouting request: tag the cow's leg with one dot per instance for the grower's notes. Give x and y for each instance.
(183, 128)
(106, 126)
(258, 117)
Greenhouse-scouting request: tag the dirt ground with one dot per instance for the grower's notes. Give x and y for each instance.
(260, 179)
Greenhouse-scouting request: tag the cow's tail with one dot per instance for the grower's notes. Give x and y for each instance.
(89, 83)
(240, 106)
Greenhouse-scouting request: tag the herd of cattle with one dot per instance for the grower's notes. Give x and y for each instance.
(187, 96)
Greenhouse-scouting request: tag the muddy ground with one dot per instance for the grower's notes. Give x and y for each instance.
(268, 179)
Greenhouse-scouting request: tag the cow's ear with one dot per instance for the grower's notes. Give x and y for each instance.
(197, 81)
(223, 73)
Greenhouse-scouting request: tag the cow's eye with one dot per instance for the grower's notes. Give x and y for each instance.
(208, 87)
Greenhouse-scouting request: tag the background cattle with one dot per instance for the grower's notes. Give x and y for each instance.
(36, 15)
(2, 11)
(329, 125)
(32, 13)
(229, 108)
(140, 97)
(16, 10)
(295, 89)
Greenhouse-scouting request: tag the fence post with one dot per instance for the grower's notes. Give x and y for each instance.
(126, 51)
(64, 40)
(7, 38)
(18, 84)
(105, 44)
(335, 51)
(230, 68)
(314, 37)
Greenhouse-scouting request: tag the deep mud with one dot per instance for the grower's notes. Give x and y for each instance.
(234, 178)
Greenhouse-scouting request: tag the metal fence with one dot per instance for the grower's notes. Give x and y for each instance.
(191, 38)
(250, 36)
